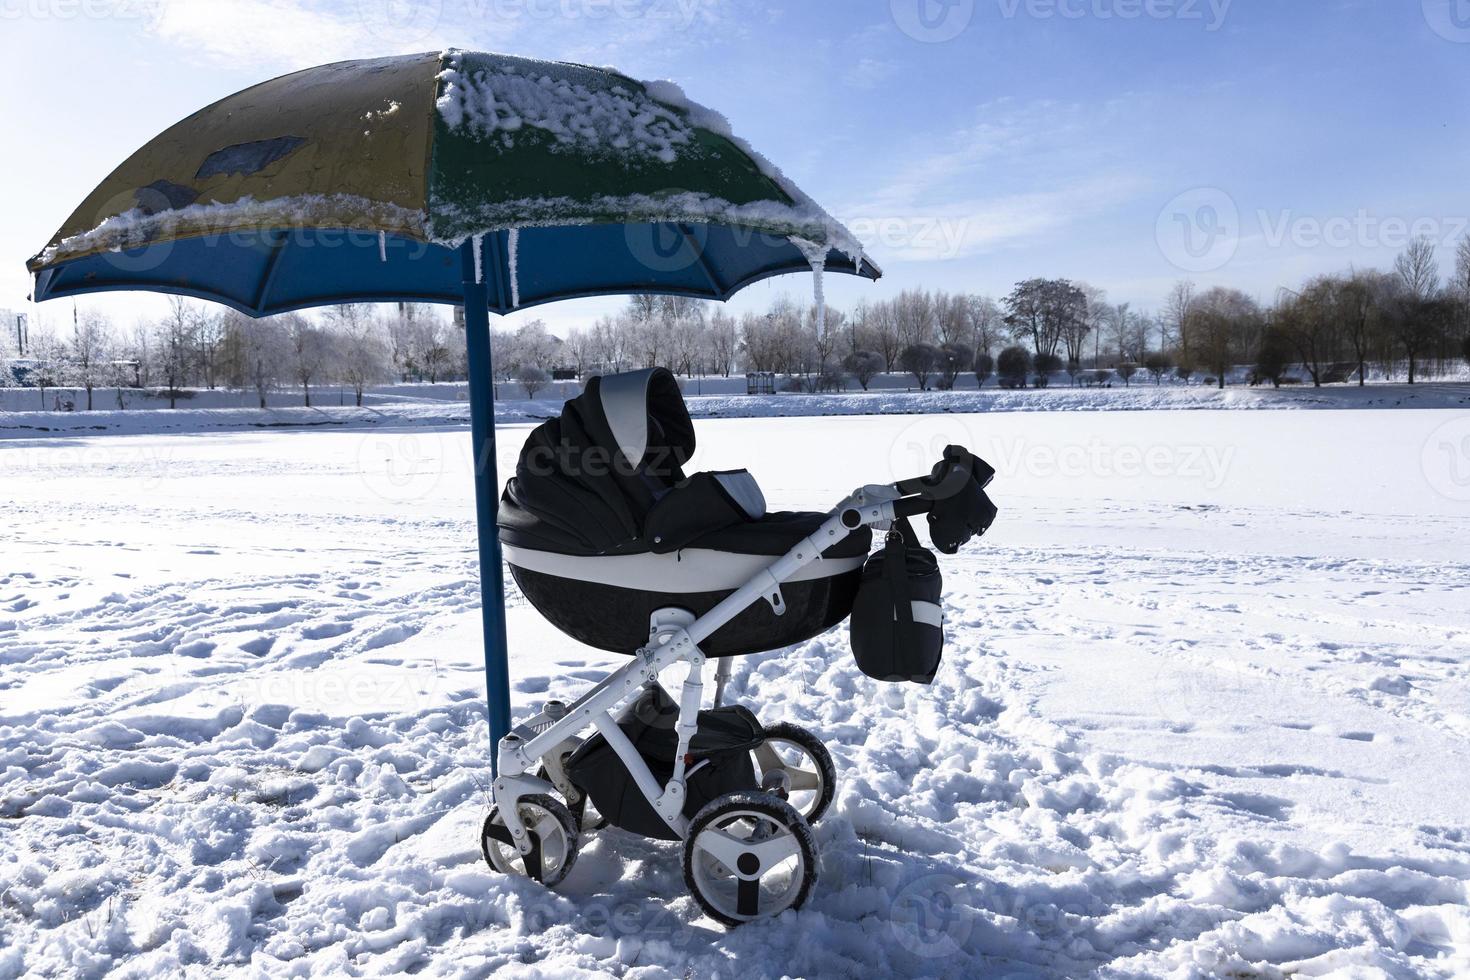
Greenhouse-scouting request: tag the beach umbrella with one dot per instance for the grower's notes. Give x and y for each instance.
(488, 181)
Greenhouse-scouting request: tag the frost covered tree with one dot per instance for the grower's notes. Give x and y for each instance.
(358, 342)
(91, 347)
(532, 345)
(174, 344)
(310, 351)
(264, 354)
(723, 342)
(430, 346)
(533, 379)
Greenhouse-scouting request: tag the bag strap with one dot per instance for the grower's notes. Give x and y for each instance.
(896, 569)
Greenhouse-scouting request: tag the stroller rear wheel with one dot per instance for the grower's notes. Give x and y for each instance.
(553, 841)
(749, 856)
(801, 764)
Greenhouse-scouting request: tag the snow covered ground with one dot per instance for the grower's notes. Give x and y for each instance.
(1205, 711)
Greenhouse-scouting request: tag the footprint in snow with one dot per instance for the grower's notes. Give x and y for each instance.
(325, 631)
(195, 648)
(389, 636)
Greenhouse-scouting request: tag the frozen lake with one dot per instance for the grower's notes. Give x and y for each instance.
(1205, 707)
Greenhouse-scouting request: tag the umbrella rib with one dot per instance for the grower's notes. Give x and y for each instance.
(493, 240)
(709, 273)
(269, 278)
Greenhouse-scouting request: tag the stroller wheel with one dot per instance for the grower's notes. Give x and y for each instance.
(553, 841)
(749, 856)
(802, 765)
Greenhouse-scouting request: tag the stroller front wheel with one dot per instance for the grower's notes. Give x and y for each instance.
(553, 841)
(803, 766)
(749, 856)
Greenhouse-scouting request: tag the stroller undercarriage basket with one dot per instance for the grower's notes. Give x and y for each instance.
(721, 761)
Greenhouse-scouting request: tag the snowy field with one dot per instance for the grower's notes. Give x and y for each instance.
(1205, 711)
(409, 405)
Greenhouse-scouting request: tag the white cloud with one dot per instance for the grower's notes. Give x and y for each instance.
(1056, 169)
(292, 34)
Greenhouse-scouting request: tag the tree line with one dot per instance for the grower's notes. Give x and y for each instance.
(1402, 322)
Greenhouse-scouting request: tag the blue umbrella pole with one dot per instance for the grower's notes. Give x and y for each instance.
(487, 494)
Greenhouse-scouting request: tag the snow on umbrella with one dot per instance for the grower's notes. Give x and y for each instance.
(478, 179)
(359, 181)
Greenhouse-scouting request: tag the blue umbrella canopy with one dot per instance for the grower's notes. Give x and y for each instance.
(361, 181)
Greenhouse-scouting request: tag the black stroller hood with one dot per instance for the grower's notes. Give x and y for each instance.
(586, 481)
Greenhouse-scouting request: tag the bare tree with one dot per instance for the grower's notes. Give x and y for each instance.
(1309, 321)
(1359, 311)
(921, 361)
(1158, 364)
(864, 365)
(1176, 317)
(1222, 323)
(954, 359)
(1418, 269)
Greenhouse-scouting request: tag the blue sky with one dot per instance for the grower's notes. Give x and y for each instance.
(1127, 143)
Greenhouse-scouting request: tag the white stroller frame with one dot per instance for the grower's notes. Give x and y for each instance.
(674, 636)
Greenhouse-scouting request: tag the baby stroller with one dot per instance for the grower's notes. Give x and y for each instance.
(612, 542)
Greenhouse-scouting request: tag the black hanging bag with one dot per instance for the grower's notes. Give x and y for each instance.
(897, 630)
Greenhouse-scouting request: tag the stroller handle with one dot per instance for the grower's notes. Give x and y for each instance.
(949, 476)
(953, 495)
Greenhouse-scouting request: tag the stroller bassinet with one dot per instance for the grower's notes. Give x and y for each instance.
(601, 527)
